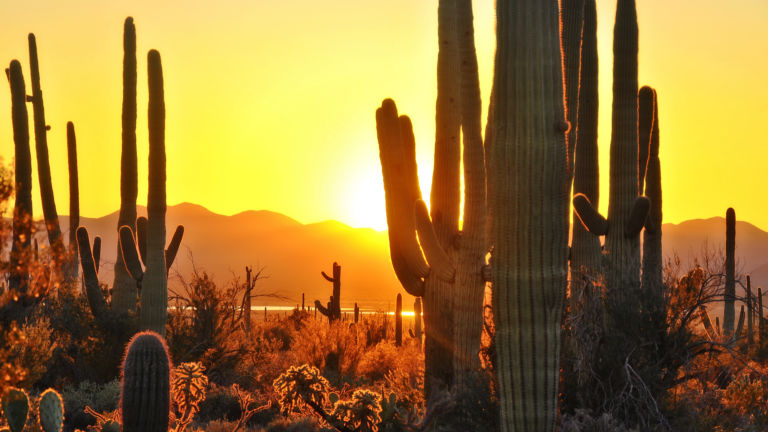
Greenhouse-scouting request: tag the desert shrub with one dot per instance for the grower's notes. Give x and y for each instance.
(31, 351)
(300, 424)
(219, 403)
(582, 421)
(332, 348)
(100, 397)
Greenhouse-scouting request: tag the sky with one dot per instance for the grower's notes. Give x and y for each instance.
(270, 104)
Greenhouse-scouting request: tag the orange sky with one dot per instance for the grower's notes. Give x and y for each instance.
(271, 104)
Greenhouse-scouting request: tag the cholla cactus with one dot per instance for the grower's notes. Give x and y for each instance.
(188, 389)
(301, 385)
(361, 413)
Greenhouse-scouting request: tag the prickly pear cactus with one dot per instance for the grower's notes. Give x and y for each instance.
(16, 408)
(51, 411)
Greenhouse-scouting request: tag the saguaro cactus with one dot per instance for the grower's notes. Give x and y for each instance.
(22, 209)
(586, 250)
(41, 150)
(750, 312)
(399, 320)
(74, 200)
(333, 309)
(124, 288)
(627, 211)
(145, 398)
(530, 212)
(729, 310)
(653, 278)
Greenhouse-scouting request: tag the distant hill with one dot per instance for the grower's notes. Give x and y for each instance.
(293, 254)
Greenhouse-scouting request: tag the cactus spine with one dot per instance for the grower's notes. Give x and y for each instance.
(145, 399)
(586, 249)
(399, 320)
(74, 200)
(333, 308)
(51, 411)
(124, 287)
(15, 408)
(729, 311)
(530, 212)
(22, 210)
(652, 257)
(41, 149)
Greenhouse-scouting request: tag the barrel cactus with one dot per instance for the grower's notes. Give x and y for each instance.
(145, 398)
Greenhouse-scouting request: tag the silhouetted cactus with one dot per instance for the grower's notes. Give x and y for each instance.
(750, 312)
(586, 250)
(399, 320)
(729, 309)
(357, 313)
(333, 309)
(145, 399)
(41, 150)
(124, 288)
(51, 411)
(572, 12)
(22, 210)
(652, 276)
(15, 408)
(529, 263)
(760, 321)
(74, 201)
(417, 320)
(627, 211)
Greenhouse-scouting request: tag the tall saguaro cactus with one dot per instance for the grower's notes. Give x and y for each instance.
(586, 250)
(124, 287)
(22, 209)
(627, 211)
(154, 291)
(729, 310)
(41, 149)
(530, 212)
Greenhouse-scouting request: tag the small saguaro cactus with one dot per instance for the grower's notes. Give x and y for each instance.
(729, 310)
(51, 411)
(15, 408)
(357, 313)
(333, 309)
(416, 332)
(145, 396)
(399, 320)
(750, 312)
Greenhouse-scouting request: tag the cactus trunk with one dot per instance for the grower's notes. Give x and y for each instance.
(154, 292)
(530, 212)
(586, 250)
(417, 320)
(470, 285)
(22, 210)
(750, 312)
(621, 247)
(124, 287)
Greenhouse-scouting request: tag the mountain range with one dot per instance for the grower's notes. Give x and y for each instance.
(291, 255)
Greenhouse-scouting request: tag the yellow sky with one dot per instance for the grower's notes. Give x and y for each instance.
(270, 104)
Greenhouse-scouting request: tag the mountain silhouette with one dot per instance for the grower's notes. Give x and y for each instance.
(292, 254)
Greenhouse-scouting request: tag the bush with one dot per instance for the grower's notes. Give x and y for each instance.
(100, 397)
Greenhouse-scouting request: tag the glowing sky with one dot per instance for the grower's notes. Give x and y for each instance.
(270, 104)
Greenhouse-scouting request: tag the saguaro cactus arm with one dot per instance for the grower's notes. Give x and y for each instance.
(590, 218)
(130, 255)
(90, 275)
